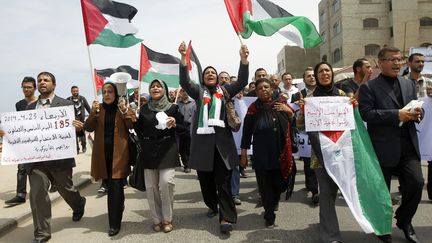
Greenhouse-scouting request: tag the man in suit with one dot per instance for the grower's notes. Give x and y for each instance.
(58, 172)
(28, 86)
(311, 181)
(393, 134)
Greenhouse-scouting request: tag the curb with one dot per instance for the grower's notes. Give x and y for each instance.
(10, 224)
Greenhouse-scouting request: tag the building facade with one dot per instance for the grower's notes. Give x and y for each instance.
(352, 29)
(294, 59)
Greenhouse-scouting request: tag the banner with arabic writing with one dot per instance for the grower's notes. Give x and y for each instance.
(38, 135)
(330, 113)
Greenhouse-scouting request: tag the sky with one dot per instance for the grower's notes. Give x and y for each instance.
(48, 35)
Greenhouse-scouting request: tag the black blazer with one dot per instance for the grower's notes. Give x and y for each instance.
(379, 107)
(53, 165)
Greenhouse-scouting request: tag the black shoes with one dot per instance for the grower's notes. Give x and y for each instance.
(211, 213)
(84, 150)
(385, 238)
(15, 201)
(225, 227)
(409, 232)
(113, 231)
(187, 170)
(76, 216)
(315, 198)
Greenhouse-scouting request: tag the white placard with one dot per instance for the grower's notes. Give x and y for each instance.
(328, 113)
(304, 148)
(424, 131)
(241, 106)
(38, 135)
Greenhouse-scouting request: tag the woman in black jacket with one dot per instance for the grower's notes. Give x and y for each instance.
(157, 123)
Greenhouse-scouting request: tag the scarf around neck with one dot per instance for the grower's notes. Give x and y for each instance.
(211, 112)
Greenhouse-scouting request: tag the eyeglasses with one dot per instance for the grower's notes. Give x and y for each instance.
(393, 60)
(27, 87)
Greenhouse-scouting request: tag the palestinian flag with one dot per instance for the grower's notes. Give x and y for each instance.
(131, 85)
(351, 162)
(99, 82)
(108, 23)
(194, 66)
(266, 18)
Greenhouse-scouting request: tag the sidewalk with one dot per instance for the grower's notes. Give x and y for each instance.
(12, 216)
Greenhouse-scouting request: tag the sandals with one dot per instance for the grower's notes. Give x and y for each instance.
(167, 227)
(157, 227)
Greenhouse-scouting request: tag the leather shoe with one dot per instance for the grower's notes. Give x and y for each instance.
(15, 201)
(211, 213)
(225, 227)
(409, 232)
(76, 216)
(113, 231)
(385, 238)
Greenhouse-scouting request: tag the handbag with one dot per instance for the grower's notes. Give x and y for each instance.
(233, 118)
(136, 178)
(134, 147)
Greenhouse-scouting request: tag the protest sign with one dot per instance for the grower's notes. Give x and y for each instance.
(304, 147)
(241, 106)
(424, 131)
(328, 114)
(38, 135)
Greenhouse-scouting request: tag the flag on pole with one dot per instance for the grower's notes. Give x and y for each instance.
(131, 84)
(266, 18)
(108, 23)
(99, 82)
(351, 162)
(194, 66)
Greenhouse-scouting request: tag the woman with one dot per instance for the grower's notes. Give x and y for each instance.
(156, 127)
(329, 227)
(267, 121)
(110, 158)
(213, 151)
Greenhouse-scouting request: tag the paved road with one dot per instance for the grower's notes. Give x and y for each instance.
(297, 219)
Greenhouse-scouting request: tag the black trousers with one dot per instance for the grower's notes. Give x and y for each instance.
(21, 189)
(270, 184)
(410, 180)
(216, 189)
(80, 137)
(184, 148)
(115, 202)
(429, 180)
(311, 181)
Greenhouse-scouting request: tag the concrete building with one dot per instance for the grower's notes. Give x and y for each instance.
(294, 59)
(353, 29)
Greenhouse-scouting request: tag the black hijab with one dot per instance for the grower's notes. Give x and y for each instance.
(324, 90)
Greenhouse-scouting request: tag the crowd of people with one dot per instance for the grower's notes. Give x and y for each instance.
(190, 129)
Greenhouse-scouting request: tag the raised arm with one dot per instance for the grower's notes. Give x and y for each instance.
(191, 88)
(243, 73)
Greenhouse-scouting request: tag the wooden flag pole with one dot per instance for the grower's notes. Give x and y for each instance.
(92, 73)
(240, 39)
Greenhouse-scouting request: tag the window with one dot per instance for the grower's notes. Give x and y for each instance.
(337, 55)
(370, 23)
(425, 21)
(324, 36)
(426, 44)
(336, 5)
(372, 50)
(390, 6)
(336, 28)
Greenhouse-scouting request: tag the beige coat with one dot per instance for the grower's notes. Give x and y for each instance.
(95, 122)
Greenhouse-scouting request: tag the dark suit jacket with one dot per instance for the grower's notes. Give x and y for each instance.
(53, 165)
(379, 107)
(296, 96)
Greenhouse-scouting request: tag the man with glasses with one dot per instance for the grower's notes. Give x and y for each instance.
(393, 134)
(28, 86)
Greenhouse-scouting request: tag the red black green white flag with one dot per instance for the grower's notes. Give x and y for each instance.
(108, 23)
(266, 18)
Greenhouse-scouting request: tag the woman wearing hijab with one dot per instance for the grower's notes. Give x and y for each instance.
(329, 226)
(267, 120)
(157, 123)
(213, 151)
(110, 157)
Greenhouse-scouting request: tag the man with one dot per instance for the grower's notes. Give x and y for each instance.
(259, 73)
(187, 108)
(224, 78)
(416, 63)
(393, 134)
(311, 182)
(80, 105)
(274, 78)
(58, 172)
(362, 73)
(28, 86)
(288, 88)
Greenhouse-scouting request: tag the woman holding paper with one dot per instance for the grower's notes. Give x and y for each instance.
(268, 121)
(329, 227)
(213, 152)
(110, 122)
(156, 127)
